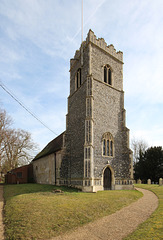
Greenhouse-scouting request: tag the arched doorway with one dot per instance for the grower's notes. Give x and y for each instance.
(107, 179)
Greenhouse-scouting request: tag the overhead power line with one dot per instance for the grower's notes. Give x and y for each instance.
(23, 106)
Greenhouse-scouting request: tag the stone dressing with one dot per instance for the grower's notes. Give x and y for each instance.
(96, 154)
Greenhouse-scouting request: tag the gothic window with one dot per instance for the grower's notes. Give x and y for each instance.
(107, 145)
(78, 78)
(107, 75)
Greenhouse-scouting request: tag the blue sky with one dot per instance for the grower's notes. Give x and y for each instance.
(38, 38)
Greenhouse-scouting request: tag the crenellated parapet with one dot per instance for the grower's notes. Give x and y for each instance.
(77, 53)
(100, 42)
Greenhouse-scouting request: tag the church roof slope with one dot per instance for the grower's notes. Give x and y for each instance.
(55, 145)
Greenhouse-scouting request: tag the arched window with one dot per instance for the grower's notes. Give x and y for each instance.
(78, 78)
(107, 145)
(107, 75)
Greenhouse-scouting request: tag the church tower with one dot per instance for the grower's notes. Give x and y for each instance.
(97, 156)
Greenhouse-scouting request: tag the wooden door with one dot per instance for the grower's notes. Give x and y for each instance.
(107, 179)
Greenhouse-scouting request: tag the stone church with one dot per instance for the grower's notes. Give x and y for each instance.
(93, 153)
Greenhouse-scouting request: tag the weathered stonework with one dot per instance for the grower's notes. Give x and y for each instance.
(100, 107)
(95, 109)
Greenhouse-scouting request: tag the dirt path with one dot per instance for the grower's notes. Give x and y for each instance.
(1, 209)
(118, 225)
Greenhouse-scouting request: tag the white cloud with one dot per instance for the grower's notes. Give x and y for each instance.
(143, 77)
(46, 24)
(39, 37)
(152, 136)
(9, 54)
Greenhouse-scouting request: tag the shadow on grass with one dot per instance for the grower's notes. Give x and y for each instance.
(19, 189)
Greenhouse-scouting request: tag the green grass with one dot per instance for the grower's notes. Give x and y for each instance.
(13, 190)
(152, 228)
(32, 211)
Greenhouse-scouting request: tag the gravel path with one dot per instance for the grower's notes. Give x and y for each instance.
(118, 225)
(113, 227)
(1, 210)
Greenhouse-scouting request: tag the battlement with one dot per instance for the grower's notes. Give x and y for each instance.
(77, 53)
(100, 42)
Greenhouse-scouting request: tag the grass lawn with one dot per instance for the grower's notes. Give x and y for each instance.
(152, 228)
(32, 211)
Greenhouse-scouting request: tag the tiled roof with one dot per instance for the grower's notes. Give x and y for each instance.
(52, 147)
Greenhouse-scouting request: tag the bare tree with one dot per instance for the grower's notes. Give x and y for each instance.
(16, 146)
(5, 123)
(138, 146)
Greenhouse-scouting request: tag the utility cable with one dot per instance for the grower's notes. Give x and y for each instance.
(22, 105)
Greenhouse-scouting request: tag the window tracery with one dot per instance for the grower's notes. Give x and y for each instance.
(107, 144)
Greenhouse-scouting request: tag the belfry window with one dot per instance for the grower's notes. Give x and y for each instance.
(107, 75)
(107, 145)
(78, 78)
